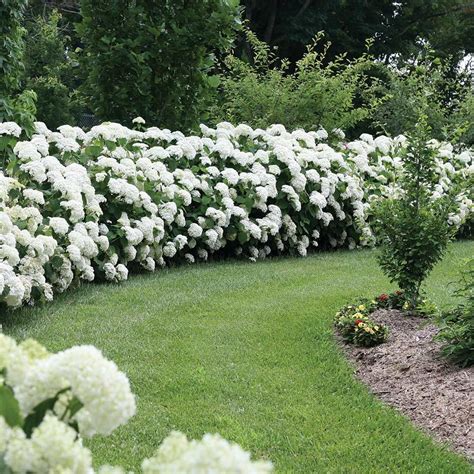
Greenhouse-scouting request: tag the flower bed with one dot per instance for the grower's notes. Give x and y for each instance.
(81, 206)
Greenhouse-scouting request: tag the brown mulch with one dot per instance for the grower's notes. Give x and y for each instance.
(408, 373)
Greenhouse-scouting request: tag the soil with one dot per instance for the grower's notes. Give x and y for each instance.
(408, 373)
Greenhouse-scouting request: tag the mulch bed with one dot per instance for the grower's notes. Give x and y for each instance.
(408, 373)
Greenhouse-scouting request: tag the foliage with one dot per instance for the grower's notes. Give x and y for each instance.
(400, 28)
(24, 110)
(11, 52)
(445, 94)
(399, 301)
(424, 307)
(47, 67)
(314, 95)
(13, 106)
(394, 300)
(60, 399)
(412, 227)
(457, 330)
(354, 325)
(463, 119)
(158, 54)
(53, 105)
(82, 206)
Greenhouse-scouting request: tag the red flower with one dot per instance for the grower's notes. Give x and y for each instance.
(358, 321)
(383, 297)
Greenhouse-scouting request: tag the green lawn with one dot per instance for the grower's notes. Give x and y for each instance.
(246, 350)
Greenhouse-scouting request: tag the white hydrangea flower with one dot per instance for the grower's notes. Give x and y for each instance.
(212, 454)
(103, 390)
(10, 128)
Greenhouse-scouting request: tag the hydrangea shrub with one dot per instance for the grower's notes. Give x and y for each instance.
(83, 206)
(50, 402)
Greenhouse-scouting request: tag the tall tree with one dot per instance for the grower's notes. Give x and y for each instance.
(150, 57)
(11, 53)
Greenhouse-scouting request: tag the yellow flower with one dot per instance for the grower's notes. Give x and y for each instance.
(361, 307)
(358, 316)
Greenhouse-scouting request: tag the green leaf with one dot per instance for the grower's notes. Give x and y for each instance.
(9, 407)
(93, 150)
(35, 418)
(243, 237)
(214, 81)
(74, 406)
(56, 261)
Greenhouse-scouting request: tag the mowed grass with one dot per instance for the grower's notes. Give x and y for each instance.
(247, 350)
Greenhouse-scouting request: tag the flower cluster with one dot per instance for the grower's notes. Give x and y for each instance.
(395, 300)
(211, 454)
(50, 402)
(85, 206)
(399, 301)
(354, 325)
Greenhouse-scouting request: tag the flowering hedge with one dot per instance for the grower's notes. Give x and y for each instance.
(81, 206)
(50, 402)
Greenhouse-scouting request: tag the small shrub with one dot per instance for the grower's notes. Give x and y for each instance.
(398, 300)
(354, 325)
(457, 331)
(394, 300)
(412, 226)
(425, 307)
(369, 334)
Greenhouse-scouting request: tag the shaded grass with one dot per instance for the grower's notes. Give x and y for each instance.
(246, 350)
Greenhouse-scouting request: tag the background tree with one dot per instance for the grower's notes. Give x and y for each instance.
(399, 28)
(151, 58)
(14, 104)
(49, 67)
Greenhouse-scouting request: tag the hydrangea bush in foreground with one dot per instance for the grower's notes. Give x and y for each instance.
(80, 206)
(50, 402)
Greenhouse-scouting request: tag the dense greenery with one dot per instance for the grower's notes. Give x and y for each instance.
(447, 96)
(168, 63)
(457, 332)
(246, 350)
(47, 67)
(11, 52)
(315, 94)
(400, 28)
(359, 95)
(14, 104)
(152, 58)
